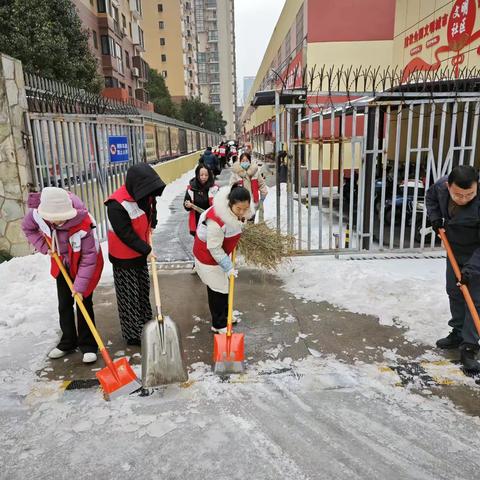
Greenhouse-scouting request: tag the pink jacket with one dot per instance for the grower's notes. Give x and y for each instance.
(88, 250)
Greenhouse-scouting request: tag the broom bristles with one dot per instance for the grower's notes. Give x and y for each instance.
(263, 247)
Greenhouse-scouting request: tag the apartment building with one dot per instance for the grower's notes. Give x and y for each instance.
(172, 46)
(216, 57)
(117, 40)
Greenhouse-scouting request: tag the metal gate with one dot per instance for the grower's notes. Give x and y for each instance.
(72, 152)
(357, 172)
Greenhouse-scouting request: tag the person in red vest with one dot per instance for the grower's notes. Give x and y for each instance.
(246, 172)
(61, 217)
(200, 192)
(132, 215)
(218, 232)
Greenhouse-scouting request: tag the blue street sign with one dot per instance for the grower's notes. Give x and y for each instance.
(118, 147)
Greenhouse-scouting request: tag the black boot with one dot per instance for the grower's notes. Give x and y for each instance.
(468, 353)
(452, 340)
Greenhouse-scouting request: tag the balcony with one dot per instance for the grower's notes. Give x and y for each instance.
(136, 9)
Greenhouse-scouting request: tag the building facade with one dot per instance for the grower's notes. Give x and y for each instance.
(216, 57)
(117, 40)
(171, 45)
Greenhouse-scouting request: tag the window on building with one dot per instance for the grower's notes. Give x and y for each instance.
(122, 85)
(119, 56)
(141, 37)
(127, 59)
(202, 57)
(108, 45)
(190, 74)
(203, 78)
(95, 39)
(162, 41)
(124, 22)
(160, 7)
(161, 25)
(189, 47)
(111, 82)
(288, 44)
(101, 6)
(214, 98)
(130, 93)
(213, 36)
(163, 57)
(299, 30)
(164, 73)
(214, 78)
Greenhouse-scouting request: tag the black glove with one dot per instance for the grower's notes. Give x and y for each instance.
(437, 224)
(466, 277)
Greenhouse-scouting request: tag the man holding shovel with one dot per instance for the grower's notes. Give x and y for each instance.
(453, 204)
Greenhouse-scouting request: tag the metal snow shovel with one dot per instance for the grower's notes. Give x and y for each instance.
(162, 352)
(458, 274)
(228, 349)
(117, 378)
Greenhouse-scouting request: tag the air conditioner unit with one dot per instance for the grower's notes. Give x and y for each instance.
(135, 72)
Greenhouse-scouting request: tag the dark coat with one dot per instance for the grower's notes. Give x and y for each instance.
(462, 230)
(200, 192)
(144, 185)
(210, 160)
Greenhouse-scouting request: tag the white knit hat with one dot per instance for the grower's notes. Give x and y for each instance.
(56, 205)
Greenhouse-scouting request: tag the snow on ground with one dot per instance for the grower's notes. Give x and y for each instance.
(409, 292)
(307, 419)
(172, 190)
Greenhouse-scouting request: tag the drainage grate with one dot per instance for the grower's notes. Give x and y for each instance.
(182, 265)
(395, 257)
(81, 384)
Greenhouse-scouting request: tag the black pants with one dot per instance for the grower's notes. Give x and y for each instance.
(462, 321)
(218, 303)
(71, 338)
(132, 287)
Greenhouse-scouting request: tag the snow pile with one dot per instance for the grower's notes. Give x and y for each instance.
(406, 292)
(29, 297)
(172, 190)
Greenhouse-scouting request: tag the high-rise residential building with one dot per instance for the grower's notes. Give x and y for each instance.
(171, 41)
(117, 40)
(216, 57)
(247, 86)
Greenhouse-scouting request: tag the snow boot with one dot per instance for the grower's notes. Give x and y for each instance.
(468, 353)
(57, 353)
(89, 357)
(451, 341)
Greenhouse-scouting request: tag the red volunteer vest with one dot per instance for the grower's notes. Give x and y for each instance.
(140, 225)
(75, 235)
(200, 250)
(255, 189)
(192, 219)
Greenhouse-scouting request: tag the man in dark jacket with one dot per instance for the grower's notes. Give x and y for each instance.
(453, 203)
(210, 161)
(132, 214)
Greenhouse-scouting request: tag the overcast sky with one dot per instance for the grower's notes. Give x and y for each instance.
(254, 24)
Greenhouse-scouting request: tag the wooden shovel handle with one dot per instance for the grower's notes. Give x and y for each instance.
(458, 274)
(156, 287)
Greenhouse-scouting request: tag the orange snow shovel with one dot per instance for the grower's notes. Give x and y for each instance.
(117, 378)
(228, 349)
(458, 274)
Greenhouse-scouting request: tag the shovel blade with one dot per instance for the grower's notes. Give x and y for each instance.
(229, 353)
(118, 379)
(162, 354)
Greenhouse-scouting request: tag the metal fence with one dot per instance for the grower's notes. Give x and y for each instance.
(72, 152)
(357, 164)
